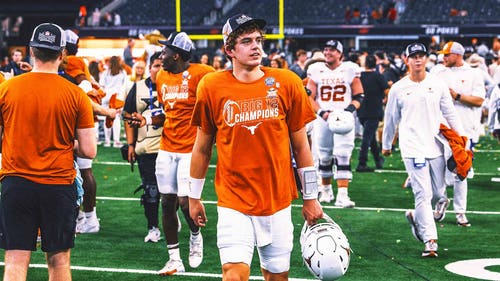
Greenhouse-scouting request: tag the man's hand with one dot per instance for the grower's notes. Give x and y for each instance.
(137, 120)
(312, 211)
(197, 212)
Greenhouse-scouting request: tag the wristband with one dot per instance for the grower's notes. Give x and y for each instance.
(321, 112)
(195, 187)
(149, 120)
(309, 181)
(131, 144)
(351, 108)
(457, 97)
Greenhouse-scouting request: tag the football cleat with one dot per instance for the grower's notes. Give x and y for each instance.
(325, 249)
(91, 225)
(326, 194)
(154, 235)
(344, 201)
(462, 220)
(195, 250)
(440, 209)
(171, 268)
(431, 249)
(414, 229)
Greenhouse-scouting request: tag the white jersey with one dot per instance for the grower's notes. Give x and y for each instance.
(419, 109)
(494, 109)
(466, 81)
(333, 86)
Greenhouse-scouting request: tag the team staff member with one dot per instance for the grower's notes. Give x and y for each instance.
(37, 175)
(468, 92)
(253, 113)
(176, 84)
(144, 142)
(418, 103)
(334, 86)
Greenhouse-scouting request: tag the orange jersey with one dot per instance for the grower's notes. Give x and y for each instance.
(40, 113)
(177, 93)
(252, 123)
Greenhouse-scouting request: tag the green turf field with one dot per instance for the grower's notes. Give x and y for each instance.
(383, 247)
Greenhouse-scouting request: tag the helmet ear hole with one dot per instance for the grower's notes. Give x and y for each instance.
(325, 250)
(341, 122)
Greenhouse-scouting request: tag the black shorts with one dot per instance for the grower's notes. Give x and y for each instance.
(26, 206)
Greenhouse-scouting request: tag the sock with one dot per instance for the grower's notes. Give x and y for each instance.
(342, 191)
(173, 252)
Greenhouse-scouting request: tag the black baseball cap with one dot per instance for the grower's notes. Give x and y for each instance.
(237, 21)
(179, 42)
(48, 36)
(415, 48)
(334, 44)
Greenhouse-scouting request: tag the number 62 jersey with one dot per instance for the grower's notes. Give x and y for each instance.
(333, 86)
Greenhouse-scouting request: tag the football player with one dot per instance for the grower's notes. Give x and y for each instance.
(334, 86)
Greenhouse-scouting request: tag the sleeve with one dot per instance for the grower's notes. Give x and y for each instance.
(478, 88)
(202, 114)
(130, 103)
(391, 120)
(449, 111)
(301, 111)
(86, 114)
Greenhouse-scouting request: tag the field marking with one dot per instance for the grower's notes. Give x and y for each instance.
(213, 166)
(152, 272)
(324, 207)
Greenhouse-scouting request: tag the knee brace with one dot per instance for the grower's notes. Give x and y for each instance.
(343, 171)
(150, 195)
(325, 168)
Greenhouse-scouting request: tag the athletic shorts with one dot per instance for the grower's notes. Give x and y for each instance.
(172, 172)
(238, 234)
(26, 206)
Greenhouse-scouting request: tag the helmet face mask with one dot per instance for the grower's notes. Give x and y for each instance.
(340, 122)
(325, 250)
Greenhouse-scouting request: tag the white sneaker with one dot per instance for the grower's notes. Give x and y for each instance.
(344, 201)
(326, 195)
(154, 235)
(440, 209)
(431, 249)
(414, 230)
(80, 220)
(172, 267)
(195, 251)
(462, 220)
(91, 225)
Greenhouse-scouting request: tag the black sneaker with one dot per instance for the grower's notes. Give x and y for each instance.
(380, 163)
(364, 168)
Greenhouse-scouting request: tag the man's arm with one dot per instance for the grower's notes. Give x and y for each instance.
(200, 159)
(311, 209)
(87, 143)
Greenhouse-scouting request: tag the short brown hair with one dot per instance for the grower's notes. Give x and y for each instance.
(231, 39)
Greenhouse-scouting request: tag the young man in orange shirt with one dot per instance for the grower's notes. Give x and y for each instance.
(37, 175)
(176, 85)
(254, 114)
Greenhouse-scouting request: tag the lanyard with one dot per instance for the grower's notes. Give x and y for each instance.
(151, 94)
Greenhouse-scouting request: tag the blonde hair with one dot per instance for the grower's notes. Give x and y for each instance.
(134, 77)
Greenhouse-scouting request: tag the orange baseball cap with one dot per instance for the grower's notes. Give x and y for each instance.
(452, 48)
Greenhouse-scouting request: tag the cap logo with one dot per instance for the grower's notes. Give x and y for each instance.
(47, 36)
(242, 19)
(416, 48)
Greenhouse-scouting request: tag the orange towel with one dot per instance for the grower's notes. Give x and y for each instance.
(461, 156)
(116, 104)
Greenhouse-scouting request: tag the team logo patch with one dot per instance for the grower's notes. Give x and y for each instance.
(47, 36)
(269, 81)
(272, 93)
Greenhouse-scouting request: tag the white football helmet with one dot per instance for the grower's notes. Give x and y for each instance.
(325, 249)
(340, 121)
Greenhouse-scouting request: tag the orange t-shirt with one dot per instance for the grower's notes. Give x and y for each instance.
(252, 123)
(2, 78)
(40, 113)
(177, 93)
